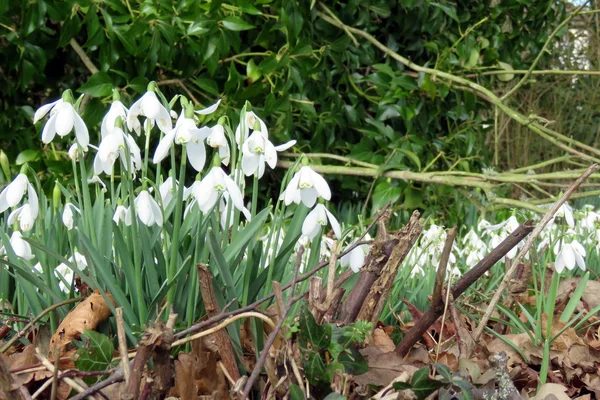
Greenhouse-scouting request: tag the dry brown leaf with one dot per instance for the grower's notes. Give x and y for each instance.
(382, 341)
(185, 377)
(87, 315)
(591, 293)
(383, 368)
(551, 389)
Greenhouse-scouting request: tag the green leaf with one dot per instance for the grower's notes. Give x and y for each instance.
(70, 28)
(385, 192)
(97, 355)
(315, 369)
(27, 156)
(334, 396)
(296, 393)
(318, 335)
(236, 24)
(449, 10)
(139, 84)
(99, 85)
(253, 71)
(244, 236)
(422, 385)
(506, 67)
(353, 362)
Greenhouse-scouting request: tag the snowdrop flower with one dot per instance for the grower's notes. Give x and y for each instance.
(63, 119)
(146, 209)
(68, 216)
(74, 151)
(25, 215)
(65, 274)
(355, 258)
(118, 111)
(499, 232)
(113, 147)
(474, 247)
(20, 246)
(258, 150)
(217, 140)
(13, 193)
(306, 186)
(565, 211)
(167, 189)
(96, 179)
(214, 184)
(568, 255)
(250, 122)
(209, 110)
(120, 214)
(228, 217)
(318, 217)
(185, 133)
(150, 107)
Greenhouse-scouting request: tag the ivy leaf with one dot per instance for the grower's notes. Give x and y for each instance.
(296, 392)
(97, 355)
(236, 24)
(315, 369)
(422, 385)
(353, 362)
(98, 85)
(449, 10)
(317, 335)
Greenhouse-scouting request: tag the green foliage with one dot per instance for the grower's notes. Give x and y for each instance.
(422, 385)
(97, 353)
(305, 76)
(328, 348)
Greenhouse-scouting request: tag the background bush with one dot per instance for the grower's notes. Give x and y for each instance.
(306, 78)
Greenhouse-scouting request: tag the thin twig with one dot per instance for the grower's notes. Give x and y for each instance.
(122, 343)
(271, 339)
(225, 324)
(50, 367)
(530, 241)
(36, 319)
(83, 56)
(442, 267)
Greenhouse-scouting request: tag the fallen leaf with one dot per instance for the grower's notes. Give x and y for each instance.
(551, 389)
(383, 368)
(87, 315)
(382, 341)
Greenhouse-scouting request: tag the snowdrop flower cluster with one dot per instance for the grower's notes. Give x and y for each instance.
(12, 195)
(64, 273)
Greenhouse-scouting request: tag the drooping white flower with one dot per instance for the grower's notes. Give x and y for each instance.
(355, 258)
(209, 110)
(565, 211)
(146, 209)
(25, 215)
(214, 184)
(65, 274)
(474, 248)
(20, 246)
(13, 193)
(118, 110)
(114, 146)
(68, 217)
(317, 218)
(217, 140)
(74, 151)
(497, 233)
(120, 214)
(63, 119)
(227, 218)
(96, 179)
(258, 150)
(568, 255)
(167, 189)
(250, 122)
(185, 133)
(306, 186)
(150, 107)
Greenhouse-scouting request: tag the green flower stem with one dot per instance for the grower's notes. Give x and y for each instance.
(548, 134)
(87, 202)
(147, 130)
(176, 226)
(133, 234)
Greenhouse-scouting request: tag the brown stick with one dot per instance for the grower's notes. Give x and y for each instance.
(163, 364)
(377, 297)
(431, 315)
(273, 335)
(122, 343)
(222, 339)
(334, 305)
(547, 217)
(440, 276)
(224, 315)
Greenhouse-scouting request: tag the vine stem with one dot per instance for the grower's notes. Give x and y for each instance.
(548, 134)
